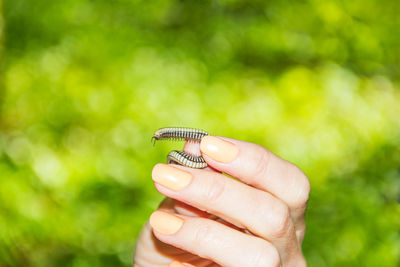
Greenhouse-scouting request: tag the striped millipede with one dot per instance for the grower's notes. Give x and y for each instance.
(181, 133)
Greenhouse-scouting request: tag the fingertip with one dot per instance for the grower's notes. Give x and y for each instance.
(218, 149)
(165, 223)
(157, 167)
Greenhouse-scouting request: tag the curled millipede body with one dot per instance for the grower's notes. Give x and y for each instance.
(181, 133)
(178, 133)
(186, 159)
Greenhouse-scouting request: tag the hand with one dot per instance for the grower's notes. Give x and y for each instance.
(256, 220)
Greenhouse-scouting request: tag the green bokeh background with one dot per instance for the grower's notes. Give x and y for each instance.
(84, 84)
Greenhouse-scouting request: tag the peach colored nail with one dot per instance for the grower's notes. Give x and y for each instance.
(218, 149)
(170, 177)
(165, 223)
(176, 264)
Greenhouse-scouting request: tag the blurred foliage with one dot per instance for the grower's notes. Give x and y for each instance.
(84, 84)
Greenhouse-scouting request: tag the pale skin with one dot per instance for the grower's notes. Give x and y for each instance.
(210, 219)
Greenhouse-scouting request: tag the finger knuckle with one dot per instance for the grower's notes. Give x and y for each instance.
(274, 259)
(274, 219)
(281, 222)
(215, 189)
(306, 186)
(262, 163)
(266, 256)
(261, 209)
(303, 188)
(303, 195)
(203, 234)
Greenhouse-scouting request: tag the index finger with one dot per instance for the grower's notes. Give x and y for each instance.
(259, 167)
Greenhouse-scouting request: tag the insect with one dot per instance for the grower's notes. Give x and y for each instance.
(181, 133)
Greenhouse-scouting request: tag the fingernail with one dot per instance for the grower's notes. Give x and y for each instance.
(176, 264)
(218, 149)
(170, 177)
(165, 223)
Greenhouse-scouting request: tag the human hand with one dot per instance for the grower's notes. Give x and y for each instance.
(256, 220)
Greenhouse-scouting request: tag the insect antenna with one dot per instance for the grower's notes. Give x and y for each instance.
(154, 143)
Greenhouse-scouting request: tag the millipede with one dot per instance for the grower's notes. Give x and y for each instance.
(182, 133)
